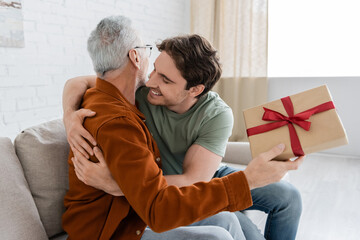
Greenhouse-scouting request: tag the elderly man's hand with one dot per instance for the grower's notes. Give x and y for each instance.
(96, 175)
(263, 170)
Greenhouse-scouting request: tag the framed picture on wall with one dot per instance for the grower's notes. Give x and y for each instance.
(11, 24)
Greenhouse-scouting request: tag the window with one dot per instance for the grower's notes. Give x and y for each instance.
(314, 38)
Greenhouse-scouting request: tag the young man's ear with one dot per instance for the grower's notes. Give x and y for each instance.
(197, 90)
(134, 58)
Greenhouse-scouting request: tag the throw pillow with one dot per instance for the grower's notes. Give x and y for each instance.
(43, 151)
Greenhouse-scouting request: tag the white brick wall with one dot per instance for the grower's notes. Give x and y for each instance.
(32, 78)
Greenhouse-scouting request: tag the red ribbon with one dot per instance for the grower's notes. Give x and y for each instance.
(281, 120)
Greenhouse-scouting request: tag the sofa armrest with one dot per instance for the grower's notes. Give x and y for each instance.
(238, 153)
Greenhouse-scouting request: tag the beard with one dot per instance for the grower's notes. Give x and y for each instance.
(140, 81)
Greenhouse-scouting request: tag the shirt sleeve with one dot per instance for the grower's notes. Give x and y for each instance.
(132, 164)
(215, 132)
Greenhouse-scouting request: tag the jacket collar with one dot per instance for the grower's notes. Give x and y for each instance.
(109, 89)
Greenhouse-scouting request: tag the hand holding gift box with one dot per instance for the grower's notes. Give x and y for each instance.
(306, 122)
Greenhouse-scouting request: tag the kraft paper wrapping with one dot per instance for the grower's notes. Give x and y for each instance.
(326, 129)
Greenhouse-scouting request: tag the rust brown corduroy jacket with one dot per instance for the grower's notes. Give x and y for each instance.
(133, 159)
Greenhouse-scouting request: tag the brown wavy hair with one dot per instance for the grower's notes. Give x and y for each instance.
(195, 58)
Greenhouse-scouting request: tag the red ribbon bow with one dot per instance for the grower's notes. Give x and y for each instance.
(281, 120)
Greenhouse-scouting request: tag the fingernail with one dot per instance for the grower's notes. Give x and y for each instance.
(281, 146)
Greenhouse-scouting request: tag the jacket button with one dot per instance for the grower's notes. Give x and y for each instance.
(157, 159)
(138, 232)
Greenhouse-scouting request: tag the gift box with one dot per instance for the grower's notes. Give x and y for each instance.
(306, 122)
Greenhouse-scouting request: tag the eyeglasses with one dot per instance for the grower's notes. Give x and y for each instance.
(147, 47)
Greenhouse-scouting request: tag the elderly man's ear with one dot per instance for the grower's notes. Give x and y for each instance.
(134, 58)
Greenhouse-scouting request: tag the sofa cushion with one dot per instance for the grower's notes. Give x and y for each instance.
(19, 218)
(43, 151)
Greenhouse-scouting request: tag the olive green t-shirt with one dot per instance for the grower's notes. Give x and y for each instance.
(208, 123)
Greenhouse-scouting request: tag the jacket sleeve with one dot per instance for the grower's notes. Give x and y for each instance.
(126, 149)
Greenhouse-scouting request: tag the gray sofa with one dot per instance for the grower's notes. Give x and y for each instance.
(34, 180)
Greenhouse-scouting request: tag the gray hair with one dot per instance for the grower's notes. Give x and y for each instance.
(110, 42)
